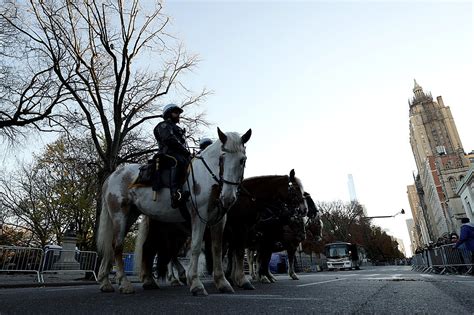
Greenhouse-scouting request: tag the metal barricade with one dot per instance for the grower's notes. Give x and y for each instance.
(437, 259)
(444, 259)
(21, 259)
(68, 261)
(418, 262)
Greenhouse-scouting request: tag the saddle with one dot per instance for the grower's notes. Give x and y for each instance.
(156, 172)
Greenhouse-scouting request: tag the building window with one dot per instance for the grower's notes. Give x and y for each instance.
(469, 206)
(452, 182)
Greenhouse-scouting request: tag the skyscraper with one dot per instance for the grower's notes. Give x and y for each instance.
(440, 161)
(351, 186)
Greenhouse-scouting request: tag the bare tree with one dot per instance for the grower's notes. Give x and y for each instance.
(117, 64)
(94, 48)
(28, 90)
(57, 189)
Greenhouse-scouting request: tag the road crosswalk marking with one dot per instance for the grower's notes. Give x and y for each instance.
(320, 282)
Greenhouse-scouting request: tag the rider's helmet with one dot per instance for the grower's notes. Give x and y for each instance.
(171, 108)
(204, 143)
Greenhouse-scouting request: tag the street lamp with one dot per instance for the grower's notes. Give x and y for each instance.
(386, 216)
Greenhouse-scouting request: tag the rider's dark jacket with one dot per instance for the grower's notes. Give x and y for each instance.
(170, 138)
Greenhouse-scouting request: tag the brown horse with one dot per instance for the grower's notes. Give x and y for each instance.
(290, 242)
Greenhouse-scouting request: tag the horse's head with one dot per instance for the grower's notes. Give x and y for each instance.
(296, 205)
(231, 165)
(315, 224)
(296, 198)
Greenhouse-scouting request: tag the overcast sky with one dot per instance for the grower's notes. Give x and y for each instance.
(325, 86)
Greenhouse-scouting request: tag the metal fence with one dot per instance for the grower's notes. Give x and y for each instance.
(21, 259)
(444, 259)
(39, 261)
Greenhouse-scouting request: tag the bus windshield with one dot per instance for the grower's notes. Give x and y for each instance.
(336, 251)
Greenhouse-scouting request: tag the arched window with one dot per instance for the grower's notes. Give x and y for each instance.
(461, 178)
(452, 182)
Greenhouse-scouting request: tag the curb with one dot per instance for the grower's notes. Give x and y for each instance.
(39, 285)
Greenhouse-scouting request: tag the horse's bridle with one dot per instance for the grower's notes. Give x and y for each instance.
(221, 210)
(221, 180)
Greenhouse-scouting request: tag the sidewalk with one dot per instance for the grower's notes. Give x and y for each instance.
(19, 280)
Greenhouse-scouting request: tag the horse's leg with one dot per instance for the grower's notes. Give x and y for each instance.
(180, 268)
(146, 247)
(217, 232)
(171, 276)
(196, 241)
(291, 251)
(146, 275)
(122, 227)
(264, 259)
(105, 246)
(270, 276)
(251, 261)
(239, 277)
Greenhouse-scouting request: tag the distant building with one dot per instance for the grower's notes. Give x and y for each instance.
(401, 246)
(352, 192)
(421, 231)
(466, 192)
(351, 186)
(440, 161)
(413, 234)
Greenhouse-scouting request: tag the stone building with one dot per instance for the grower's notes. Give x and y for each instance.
(440, 160)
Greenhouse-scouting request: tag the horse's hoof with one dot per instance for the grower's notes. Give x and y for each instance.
(272, 280)
(248, 286)
(265, 280)
(226, 289)
(127, 289)
(107, 288)
(199, 291)
(150, 286)
(294, 277)
(176, 283)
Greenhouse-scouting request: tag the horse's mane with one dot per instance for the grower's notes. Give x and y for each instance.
(266, 178)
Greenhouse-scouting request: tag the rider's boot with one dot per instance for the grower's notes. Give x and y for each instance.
(177, 195)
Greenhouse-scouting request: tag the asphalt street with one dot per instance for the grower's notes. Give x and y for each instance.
(372, 290)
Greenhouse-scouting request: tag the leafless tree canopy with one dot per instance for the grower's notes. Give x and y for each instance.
(28, 91)
(111, 63)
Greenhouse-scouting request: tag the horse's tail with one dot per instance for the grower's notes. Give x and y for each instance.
(105, 233)
(143, 229)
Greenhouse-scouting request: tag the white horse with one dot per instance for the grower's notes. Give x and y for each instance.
(213, 183)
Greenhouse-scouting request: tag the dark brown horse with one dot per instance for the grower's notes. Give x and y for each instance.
(269, 212)
(290, 242)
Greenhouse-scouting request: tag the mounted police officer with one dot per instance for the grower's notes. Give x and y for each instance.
(204, 143)
(171, 141)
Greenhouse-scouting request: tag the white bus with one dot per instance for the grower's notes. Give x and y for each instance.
(342, 255)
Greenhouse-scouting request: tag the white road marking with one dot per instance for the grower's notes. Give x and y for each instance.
(264, 297)
(64, 289)
(315, 283)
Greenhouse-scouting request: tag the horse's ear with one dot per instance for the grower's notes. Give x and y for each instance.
(246, 136)
(292, 175)
(222, 136)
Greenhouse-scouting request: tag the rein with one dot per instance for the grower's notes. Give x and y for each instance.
(221, 211)
(283, 210)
